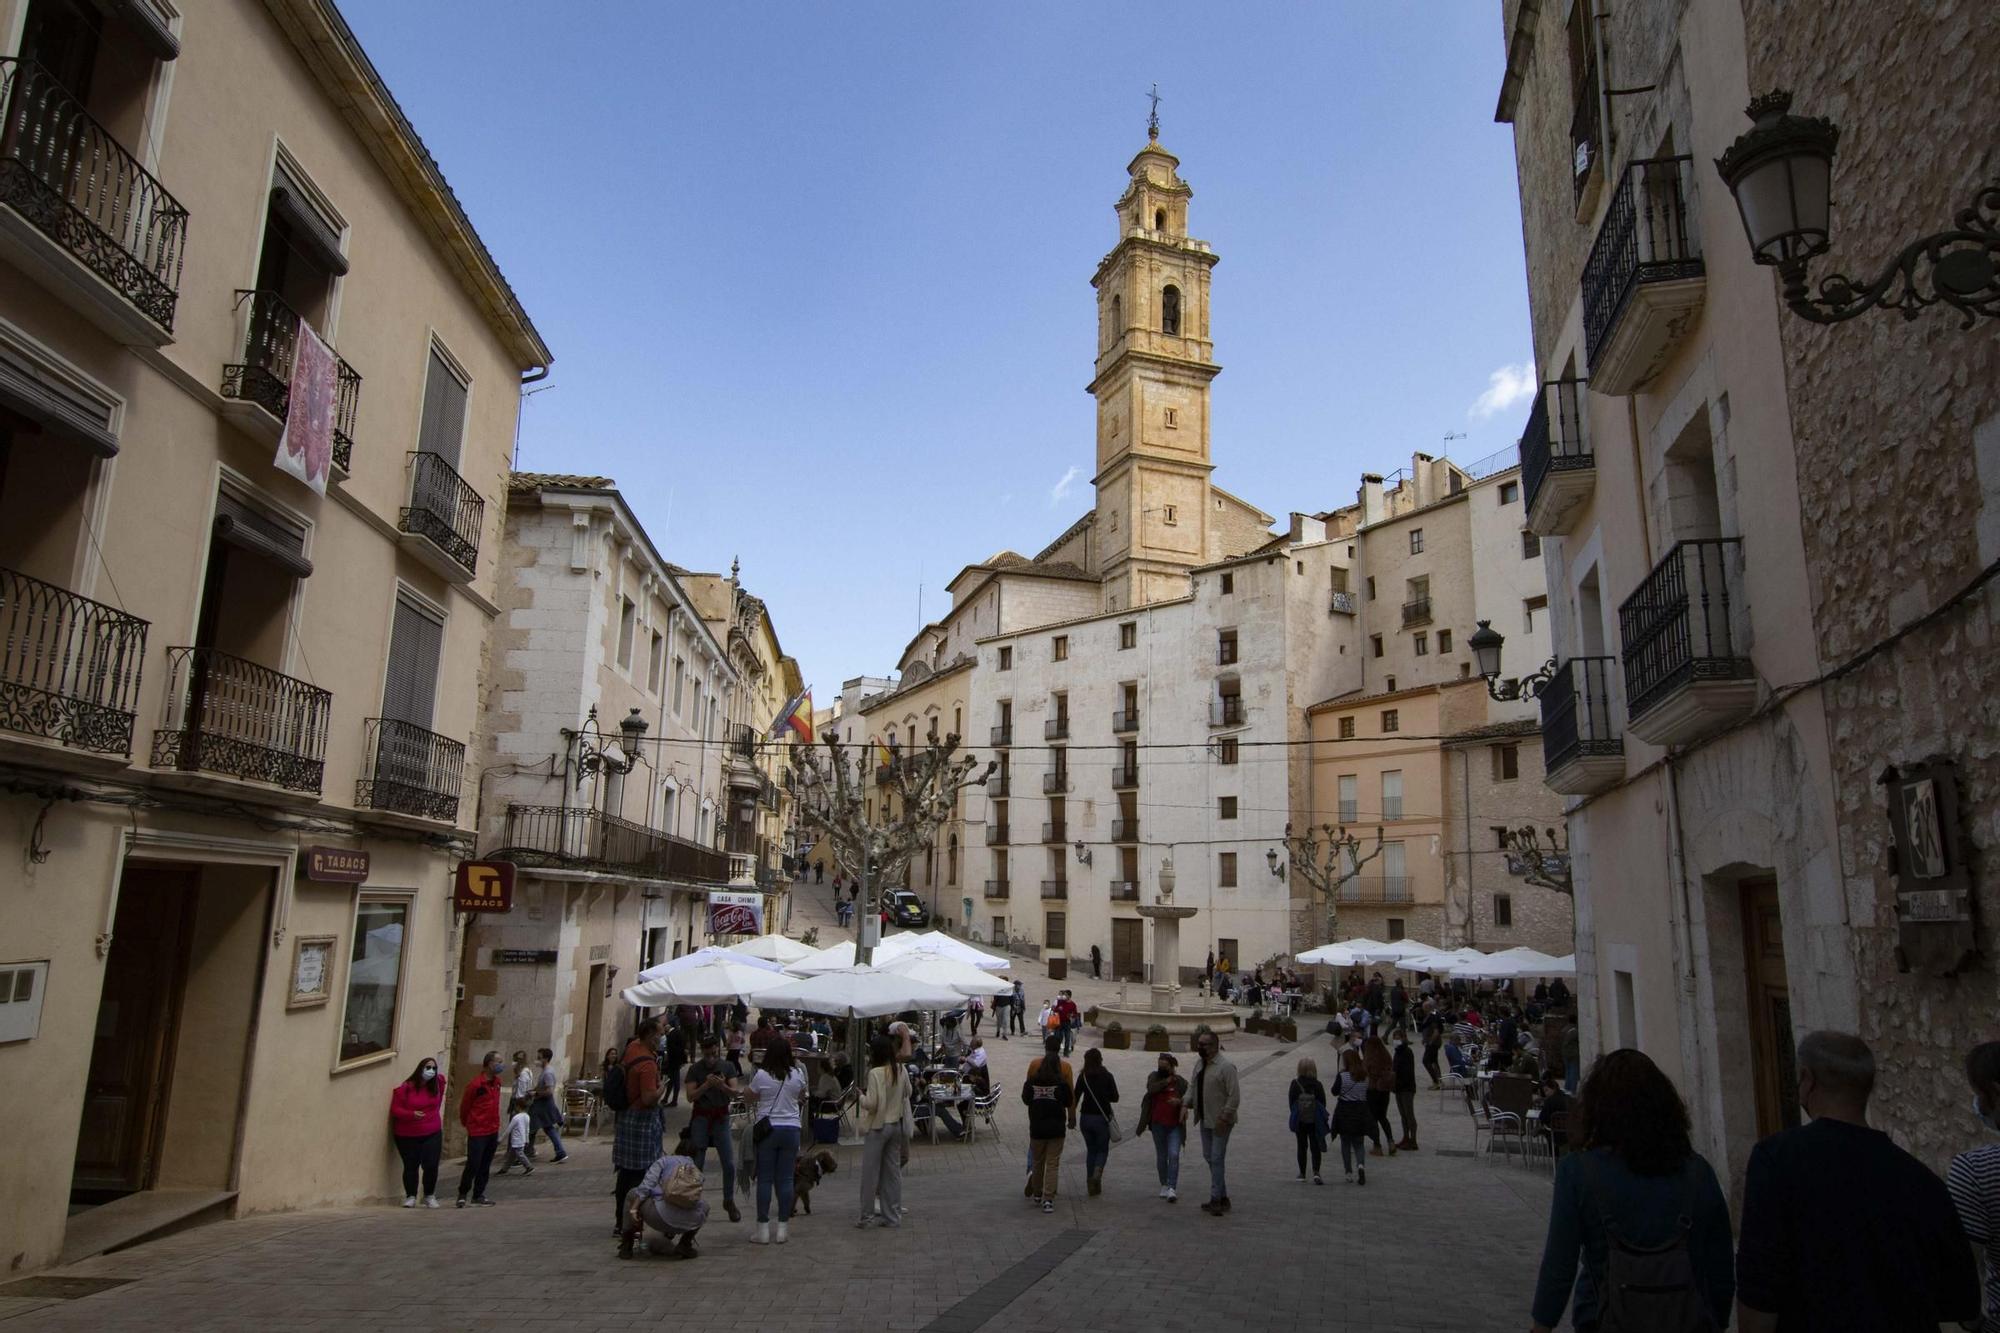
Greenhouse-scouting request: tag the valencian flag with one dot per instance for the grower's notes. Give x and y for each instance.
(798, 715)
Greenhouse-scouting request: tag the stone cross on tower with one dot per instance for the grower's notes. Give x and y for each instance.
(1153, 121)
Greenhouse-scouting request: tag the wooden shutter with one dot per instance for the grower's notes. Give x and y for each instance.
(415, 644)
(443, 424)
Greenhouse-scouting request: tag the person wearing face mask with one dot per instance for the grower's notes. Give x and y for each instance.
(1842, 1229)
(479, 1112)
(1974, 1177)
(416, 1119)
(1163, 1111)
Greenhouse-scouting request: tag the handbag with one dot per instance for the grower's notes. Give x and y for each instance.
(1110, 1120)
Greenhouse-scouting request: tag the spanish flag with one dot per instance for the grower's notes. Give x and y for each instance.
(798, 715)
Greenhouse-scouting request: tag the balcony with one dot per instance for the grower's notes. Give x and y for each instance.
(69, 667)
(1685, 670)
(743, 741)
(1002, 735)
(1386, 889)
(1055, 888)
(1124, 721)
(997, 784)
(1056, 783)
(259, 388)
(1558, 470)
(1056, 729)
(82, 215)
(1124, 777)
(1342, 603)
(1125, 830)
(742, 868)
(1417, 611)
(1644, 280)
(1583, 743)
(571, 838)
(1055, 831)
(1124, 890)
(996, 835)
(996, 888)
(1226, 711)
(442, 521)
(236, 719)
(406, 770)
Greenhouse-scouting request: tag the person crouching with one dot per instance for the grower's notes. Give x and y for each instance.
(666, 1206)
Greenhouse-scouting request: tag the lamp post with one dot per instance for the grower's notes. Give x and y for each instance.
(594, 757)
(1277, 866)
(1486, 643)
(1781, 173)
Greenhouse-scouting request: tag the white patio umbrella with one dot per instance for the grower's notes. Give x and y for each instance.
(709, 983)
(859, 992)
(830, 959)
(1442, 961)
(1362, 952)
(1507, 964)
(937, 942)
(940, 970)
(773, 949)
(702, 957)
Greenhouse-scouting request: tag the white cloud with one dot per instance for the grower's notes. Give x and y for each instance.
(1506, 387)
(1061, 489)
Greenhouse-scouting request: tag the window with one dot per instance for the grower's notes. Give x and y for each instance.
(374, 978)
(1117, 317)
(1499, 836)
(1374, 645)
(1228, 584)
(1225, 647)
(1503, 911)
(1528, 609)
(957, 722)
(1055, 930)
(1128, 635)
(1392, 794)
(656, 662)
(1347, 728)
(1389, 684)
(1173, 418)
(1586, 136)
(1159, 219)
(1510, 491)
(628, 624)
(1444, 642)
(1531, 545)
(1337, 574)
(1170, 515)
(1226, 752)
(441, 429)
(1225, 870)
(409, 690)
(1416, 541)
(680, 682)
(1059, 648)
(1371, 587)
(1006, 659)
(1225, 807)
(1506, 763)
(1301, 565)
(1422, 642)
(1390, 722)
(1170, 309)
(1395, 928)
(1350, 794)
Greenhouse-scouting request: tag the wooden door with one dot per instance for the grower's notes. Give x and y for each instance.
(593, 1010)
(1128, 949)
(1774, 1068)
(138, 1015)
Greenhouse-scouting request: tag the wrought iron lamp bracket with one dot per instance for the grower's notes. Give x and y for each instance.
(1528, 687)
(1959, 268)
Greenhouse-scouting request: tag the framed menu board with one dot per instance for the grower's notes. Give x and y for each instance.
(312, 971)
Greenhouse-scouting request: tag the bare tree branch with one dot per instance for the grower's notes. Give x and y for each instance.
(1546, 868)
(1341, 862)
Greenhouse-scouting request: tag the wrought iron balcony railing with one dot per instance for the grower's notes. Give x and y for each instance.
(1375, 889)
(1350, 811)
(1554, 440)
(444, 508)
(410, 771)
(1124, 890)
(1125, 830)
(997, 784)
(1055, 783)
(1226, 711)
(69, 667)
(264, 376)
(996, 835)
(230, 716)
(1124, 721)
(1579, 714)
(1056, 729)
(70, 179)
(996, 888)
(1002, 735)
(1055, 831)
(1646, 237)
(1124, 777)
(1676, 626)
(1342, 603)
(1055, 888)
(743, 741)
(1417, 611)
(581, 839)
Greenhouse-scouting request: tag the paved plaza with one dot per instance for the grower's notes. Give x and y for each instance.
(1435, 1240)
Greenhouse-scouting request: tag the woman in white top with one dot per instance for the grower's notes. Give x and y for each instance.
(779, 1087)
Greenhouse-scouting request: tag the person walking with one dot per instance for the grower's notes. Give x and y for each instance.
(1638, 1225)
(1350, 1114)
(1002, 1004)
(1433, 1044)
(524, 1091)
(635, 1142)
(1072, 1020)
(885, 1099)
(479, 1112)
(975, 1009)
(1051, 1103)
(1404, 1061)
(1842, 1229)
(1096, 963)
(711, 1083)
(1381, 1070)
(1218, 1096)
(1096, 1094)
(416, 1120)
(676, 1054)
(1307, 1099)
(779, 1090)
(1020, 1009)
(1974, 1176)
(1163, 1113)
(519, 1127)
(545, 1109)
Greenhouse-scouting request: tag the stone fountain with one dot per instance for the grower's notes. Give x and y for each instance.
(1167, 1007)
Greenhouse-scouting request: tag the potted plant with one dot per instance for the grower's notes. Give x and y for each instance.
(1116, 1038)
(1156, 1038)
(1288, 1030)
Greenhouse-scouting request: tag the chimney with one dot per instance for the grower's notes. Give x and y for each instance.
(1371, 498)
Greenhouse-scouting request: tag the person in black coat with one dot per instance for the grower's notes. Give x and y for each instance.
(1405, 1062)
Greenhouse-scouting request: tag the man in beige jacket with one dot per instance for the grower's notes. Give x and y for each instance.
(1215, 1098)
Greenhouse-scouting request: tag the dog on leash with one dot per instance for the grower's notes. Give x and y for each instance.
(811, 1166)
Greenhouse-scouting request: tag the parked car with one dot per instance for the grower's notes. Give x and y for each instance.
(905, 908)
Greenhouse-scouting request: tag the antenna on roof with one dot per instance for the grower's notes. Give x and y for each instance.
(1449, 436)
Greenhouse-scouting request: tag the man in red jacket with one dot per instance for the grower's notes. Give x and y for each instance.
(479, 1112)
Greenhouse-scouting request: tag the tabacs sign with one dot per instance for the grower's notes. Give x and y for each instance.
(334, 865)
(484, 886)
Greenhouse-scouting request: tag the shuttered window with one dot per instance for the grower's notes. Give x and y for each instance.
(443, 425)
(415, 645)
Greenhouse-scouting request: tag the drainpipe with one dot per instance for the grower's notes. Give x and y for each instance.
(1686, 979)
(1465, 778)
(1639, 475)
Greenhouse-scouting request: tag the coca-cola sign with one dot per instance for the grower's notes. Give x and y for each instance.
(736, 914)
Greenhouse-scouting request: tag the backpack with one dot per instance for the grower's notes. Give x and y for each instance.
(683, 1188)
(1305, 1111)
(617, 1095)
(1649, 1289)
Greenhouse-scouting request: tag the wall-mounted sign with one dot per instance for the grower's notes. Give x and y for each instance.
(333, 865)
(484, 886)
(736, 914)
(1935, 932)
(312, 971)
(524, 955)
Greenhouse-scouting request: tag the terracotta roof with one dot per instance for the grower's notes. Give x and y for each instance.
(522, 482)
(1523, 727)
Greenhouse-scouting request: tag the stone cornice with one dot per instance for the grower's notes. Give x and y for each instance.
(1197, 370)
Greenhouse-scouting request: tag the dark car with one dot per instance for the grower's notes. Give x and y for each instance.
(905, 908)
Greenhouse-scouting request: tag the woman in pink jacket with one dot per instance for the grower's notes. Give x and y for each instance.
(416, 1118)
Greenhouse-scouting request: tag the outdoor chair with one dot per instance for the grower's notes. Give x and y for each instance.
(579, 1111)
(984, 1108)
(1510, 1099)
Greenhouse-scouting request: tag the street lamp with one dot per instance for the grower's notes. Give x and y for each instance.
(1082, 853)
(1277, 866)
(1781, 173)
(1486, 643)
(593, 756)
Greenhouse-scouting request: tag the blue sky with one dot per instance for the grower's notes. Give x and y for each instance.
(817, 277)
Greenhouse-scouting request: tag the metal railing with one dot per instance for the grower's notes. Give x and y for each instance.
(1579, 714)
(264, 376)
(76, 184)
(1350, 811)
(1055, 783)
(234, 717)
(1554, 440)
(996, 835)
(1055, 831)
(1056, 729)
(1392, 807)
(410, 771)
(1417, 611)
(1342, 603)
(1124, 890)
(743, 740)
(69, 667)
(1124, 776)
(576, 838)
(1646, 237)
(1676, 626)
(1125, 830)
(997, 784)
(1002, 735)
(1226, 711)
(1375, 889)
(996, 888)
(1124, 720)
(1055, 888)
(444, 508)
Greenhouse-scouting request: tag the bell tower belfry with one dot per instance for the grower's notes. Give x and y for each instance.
(1154, 364)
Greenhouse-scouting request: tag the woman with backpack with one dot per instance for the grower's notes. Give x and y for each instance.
(1640, 1209)
(1350, 1115)
(1307, 1098)
(1096, 1093)
(1051, 1104)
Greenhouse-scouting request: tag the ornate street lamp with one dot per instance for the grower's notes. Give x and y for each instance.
(593, 756)
(1486, 643)
(1277, 866)
(1781, 173)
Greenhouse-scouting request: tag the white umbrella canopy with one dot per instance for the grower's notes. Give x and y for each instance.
(1442, 961)
(1362, 952)
(830, 959)
(773, 949)
(701, 958)
(709, 983)
(941, 970)
(950, 946)
(1509, 963)
(859, 992)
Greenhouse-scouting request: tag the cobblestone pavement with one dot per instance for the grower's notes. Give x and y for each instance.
(1436, 1240)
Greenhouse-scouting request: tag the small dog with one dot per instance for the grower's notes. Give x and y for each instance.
(811, 1166)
